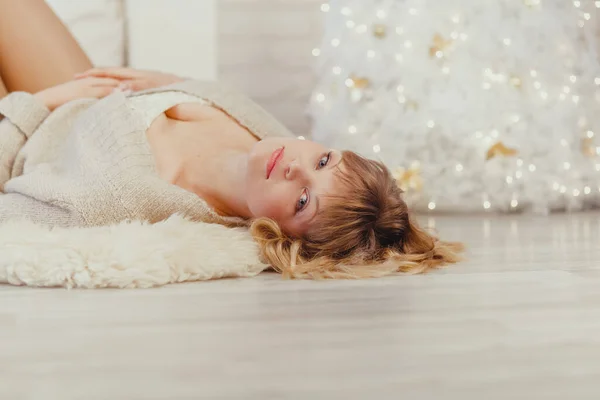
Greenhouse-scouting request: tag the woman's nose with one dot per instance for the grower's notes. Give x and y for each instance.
(293, 171)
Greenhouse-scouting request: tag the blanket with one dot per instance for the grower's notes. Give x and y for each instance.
(131, 254)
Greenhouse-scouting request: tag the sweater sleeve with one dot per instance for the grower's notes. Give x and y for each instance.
(22, 113)
(16, 206)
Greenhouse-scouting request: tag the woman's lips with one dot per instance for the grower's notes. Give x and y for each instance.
(273, 160)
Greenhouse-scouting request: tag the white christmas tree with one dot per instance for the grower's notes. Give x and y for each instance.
(475, 105)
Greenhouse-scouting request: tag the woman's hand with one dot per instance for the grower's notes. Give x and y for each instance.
(133, 79)
(58, 95)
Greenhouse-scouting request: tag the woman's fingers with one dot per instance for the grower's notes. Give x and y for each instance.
(104, 82)
(100, 91)
(110, 72)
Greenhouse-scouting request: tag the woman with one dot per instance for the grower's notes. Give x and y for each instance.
(91, 152)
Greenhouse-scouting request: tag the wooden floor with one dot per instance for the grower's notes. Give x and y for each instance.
(519, 320)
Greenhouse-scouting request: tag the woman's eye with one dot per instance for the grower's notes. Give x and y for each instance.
(324, 160)
(302, 201)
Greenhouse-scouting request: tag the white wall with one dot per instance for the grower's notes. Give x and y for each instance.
(177, 36)
(265, 50)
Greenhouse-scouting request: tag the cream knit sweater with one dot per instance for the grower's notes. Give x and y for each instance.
(88, 163)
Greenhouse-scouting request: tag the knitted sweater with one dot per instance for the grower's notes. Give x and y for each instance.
(89, 163)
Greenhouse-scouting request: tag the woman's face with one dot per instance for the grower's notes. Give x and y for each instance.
(288, 179)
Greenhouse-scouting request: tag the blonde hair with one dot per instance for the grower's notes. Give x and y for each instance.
(366, 233)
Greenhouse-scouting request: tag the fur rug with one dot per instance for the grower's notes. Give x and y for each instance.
(127, 255)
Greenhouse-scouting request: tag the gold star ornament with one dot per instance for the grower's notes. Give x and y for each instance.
(379, 31)
(500, 150)
(408, 179)
(439, 44)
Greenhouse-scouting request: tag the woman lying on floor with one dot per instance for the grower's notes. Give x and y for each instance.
(83, 152)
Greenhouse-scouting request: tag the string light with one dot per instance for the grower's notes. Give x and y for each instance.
(459, 167)
(301, 138)
(506, 42)
(380, 14)
(587, 190)
(352, 129)
(514, 203)
(597, 81)
(577, 3)
(316, 52)
(335, 42)
(573, 78)
(430, 124)
(509, 180)
(350, 24)
(325, 7)
(336, 70)
(413, 11)
(376, 148)
(370, 53)
(346, 11)
(487, 204)
(431, 205)
(407, 44)
(399, 30)
(567, 165)
(531, 168)
(320, 97)
(587, 16)
(362, 28)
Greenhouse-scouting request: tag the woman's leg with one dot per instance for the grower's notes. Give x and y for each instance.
(3, 91)
(36, 49)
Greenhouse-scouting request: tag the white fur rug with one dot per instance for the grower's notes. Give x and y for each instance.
(128, 255)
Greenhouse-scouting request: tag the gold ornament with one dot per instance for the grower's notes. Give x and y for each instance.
(379, 31)
(439, 44)
(408, 178)
(587, 147)
(411, 105)
(499, 149)
(516, 81)
(360, 82)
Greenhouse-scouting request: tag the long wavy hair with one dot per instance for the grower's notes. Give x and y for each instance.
(365, 232)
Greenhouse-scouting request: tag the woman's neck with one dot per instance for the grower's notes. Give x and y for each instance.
(219, 179)
(208, 158)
